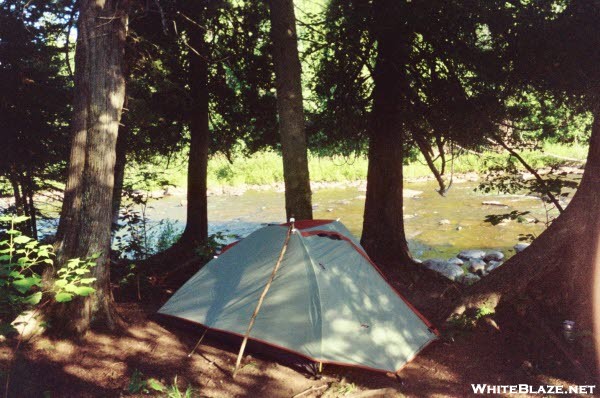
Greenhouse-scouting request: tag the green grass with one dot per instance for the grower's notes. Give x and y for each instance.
(265, 168)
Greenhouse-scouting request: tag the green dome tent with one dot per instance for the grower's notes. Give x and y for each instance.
(328, 302)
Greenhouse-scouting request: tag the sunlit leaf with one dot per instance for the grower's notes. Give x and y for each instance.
(21, 239)
(23, 285)
(33, 299)
(84, 290)
(63, 297)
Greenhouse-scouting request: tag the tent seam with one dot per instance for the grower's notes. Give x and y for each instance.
(318, 290)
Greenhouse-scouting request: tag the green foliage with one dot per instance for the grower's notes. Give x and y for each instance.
(34, 95)
(167, 234)
(21, 259)
(468, 320)
(214, 243)
(21, 262)
(74, 279)
(340, 389)
(173, 391)
(139, 384)
(496, 219)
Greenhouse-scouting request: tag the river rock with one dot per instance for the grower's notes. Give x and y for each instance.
(444, 222)
(158, 194)
(570, 170)
(450, 271)
(469, 279)
(234, 191)
(471, 255)
(477, 265)
(493, 203)
(456, 261)
(519, 247)
(527, 176)
(174, 191)
(492, 265)
(410, 193)
(494, 255)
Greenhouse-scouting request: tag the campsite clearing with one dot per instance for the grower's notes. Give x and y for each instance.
(102, 365)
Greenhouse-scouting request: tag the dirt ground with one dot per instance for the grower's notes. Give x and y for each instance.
(105, 365)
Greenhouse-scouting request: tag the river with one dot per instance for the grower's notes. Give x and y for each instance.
(436, 226)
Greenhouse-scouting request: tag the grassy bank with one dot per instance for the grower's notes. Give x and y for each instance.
(265, 168)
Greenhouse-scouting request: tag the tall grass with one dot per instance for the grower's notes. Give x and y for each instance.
(265, 168)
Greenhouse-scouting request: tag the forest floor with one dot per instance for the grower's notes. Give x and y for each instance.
(114, 365)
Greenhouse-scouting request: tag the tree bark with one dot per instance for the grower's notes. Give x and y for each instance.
(120, 163)
(196, 228)
(28, 190)
(290, 110)
(560, 271)
(17, 195)
(85, 221)
(383, 234)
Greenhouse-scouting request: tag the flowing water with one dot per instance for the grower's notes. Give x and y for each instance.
(435, 226)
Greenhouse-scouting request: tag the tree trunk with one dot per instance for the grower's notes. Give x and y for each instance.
(196, 227)
(17, 195)
(120, 163)
(383, 234)
(28, 190)
(560, 271)
(290, 110)
(85, 221)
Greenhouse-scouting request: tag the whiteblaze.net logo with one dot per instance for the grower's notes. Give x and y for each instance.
(529, 389)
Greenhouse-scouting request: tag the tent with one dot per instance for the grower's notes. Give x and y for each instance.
(328, 302)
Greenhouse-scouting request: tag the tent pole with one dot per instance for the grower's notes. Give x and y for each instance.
(262, 297)
(198, 343)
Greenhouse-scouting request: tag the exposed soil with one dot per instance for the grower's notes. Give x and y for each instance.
(102, 365)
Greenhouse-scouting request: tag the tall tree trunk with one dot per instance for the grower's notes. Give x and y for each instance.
(196, 228)
(85, 221)
(14, 182)
(28, 190)
(383, 234)
(120, 163)
(561, 269)
(290, 109)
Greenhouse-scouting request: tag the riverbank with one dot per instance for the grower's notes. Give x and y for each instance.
(263, 170)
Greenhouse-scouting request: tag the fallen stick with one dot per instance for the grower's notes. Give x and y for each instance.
(310, 389)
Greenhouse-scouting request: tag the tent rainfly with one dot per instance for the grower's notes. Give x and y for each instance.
(328, 302)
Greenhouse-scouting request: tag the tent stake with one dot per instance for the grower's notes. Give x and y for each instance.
(198, 343)
(262, 297)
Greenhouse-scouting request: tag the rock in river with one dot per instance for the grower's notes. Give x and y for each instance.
(410, 193)
(469, 279)
(493, 203)
(456, 261)
(450, 271)
(494, 255)
(476, 265)
(519, 247)
(471, 254)
(492, 265)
